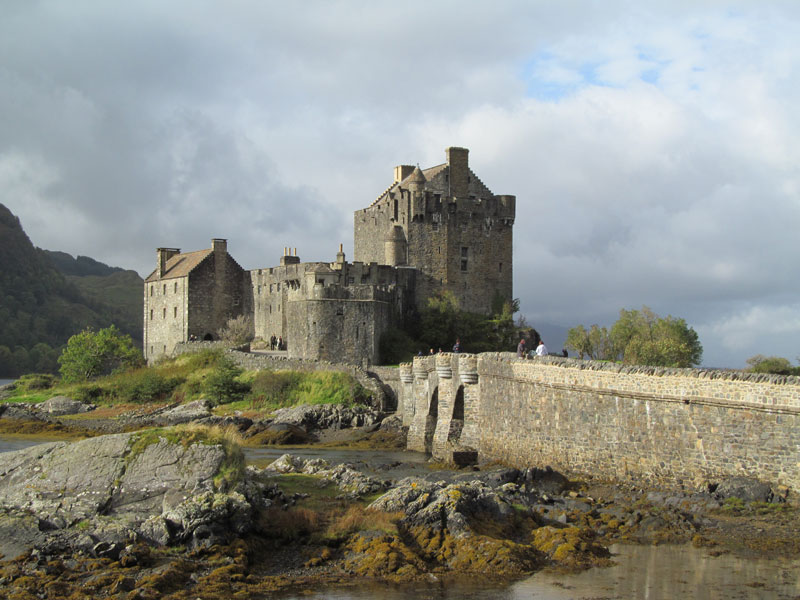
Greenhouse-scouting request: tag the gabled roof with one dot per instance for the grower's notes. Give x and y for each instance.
(181, 265)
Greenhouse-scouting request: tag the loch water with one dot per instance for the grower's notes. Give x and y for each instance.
(649, 572)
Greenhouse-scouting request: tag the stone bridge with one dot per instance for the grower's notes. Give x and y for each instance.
(682, 426)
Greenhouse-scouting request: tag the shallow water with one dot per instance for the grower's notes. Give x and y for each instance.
(649, 572)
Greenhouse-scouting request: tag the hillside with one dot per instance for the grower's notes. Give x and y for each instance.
(41, 307)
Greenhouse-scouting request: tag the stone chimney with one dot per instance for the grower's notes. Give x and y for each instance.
(458, 161)
(402, 171)
(219, 245)
(288, 259)
(163, 255)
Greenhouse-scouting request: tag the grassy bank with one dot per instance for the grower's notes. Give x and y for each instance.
(206, 374)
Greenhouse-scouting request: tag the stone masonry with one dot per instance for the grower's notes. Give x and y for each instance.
(430, 231)
(681, 426)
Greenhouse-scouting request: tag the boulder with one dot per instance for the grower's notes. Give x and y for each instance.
(184, 413)
(63, 405)
(114, 488)
(457, 507)
(347, 478)
(327, 416)
(744, 488)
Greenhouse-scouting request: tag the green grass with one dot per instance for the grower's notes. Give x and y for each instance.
(185, 378)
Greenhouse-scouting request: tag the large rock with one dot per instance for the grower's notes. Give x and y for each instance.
(114, 488)
(63, 405)
(347, 478)
(327, 416)
(438, 505)
(746, 489)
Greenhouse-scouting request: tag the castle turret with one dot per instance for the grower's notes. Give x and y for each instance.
(416, 187)
(394, 244)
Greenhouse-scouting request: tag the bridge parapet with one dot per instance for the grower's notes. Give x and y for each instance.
(681, 426)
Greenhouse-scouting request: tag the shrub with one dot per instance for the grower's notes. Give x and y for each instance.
(145, 385)
(35, 381)
(222, 384)
(286, 388)
(237, 331)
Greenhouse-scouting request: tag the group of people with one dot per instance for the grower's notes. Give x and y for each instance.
(277, 343)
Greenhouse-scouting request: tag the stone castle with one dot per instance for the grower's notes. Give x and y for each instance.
(432, 230)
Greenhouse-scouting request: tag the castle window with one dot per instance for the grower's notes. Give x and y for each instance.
(270, 288)
(501, 268)
(340, 311)
(164, 313)
(356, 332)
(151, 318)
(165, 289)
(165, 348)
(464, 255)
(259, 290)
(176, 287)
(395, 209)
(351, 280)
(175, 312)
(151, 290)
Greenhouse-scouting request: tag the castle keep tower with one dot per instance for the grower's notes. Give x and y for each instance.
(447, 224)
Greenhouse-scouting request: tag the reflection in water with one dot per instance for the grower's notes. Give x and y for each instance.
(641, 572)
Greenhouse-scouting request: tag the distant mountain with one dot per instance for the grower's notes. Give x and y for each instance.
(46, 297)
(81, 266)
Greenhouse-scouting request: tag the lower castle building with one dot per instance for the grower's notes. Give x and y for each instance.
(433, 230)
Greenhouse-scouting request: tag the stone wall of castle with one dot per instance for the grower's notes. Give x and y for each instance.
(447, 224)
(339, 323)
(680, 426)
(166, 316)
(219, 290)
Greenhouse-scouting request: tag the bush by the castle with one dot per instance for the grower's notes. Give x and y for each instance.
(144, 385)
(238, 330)
(222, 384)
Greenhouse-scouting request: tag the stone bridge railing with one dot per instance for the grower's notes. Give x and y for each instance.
(685, 426)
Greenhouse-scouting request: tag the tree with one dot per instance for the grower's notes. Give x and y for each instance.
(238, 330)
(640, 338)
(644, 338)
(89, 354)
(771, 364)
(594, 344)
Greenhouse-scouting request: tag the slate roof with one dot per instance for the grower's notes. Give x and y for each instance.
(181, 265)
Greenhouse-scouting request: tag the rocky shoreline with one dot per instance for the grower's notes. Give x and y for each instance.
(174, 511)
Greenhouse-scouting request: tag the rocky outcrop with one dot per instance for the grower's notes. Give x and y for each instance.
(62, 405)
(163, 486)
(348, 479)
(314, 417)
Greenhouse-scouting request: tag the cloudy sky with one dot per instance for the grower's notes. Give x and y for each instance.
(652, 146)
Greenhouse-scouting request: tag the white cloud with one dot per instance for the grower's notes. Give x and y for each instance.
(652, 149)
